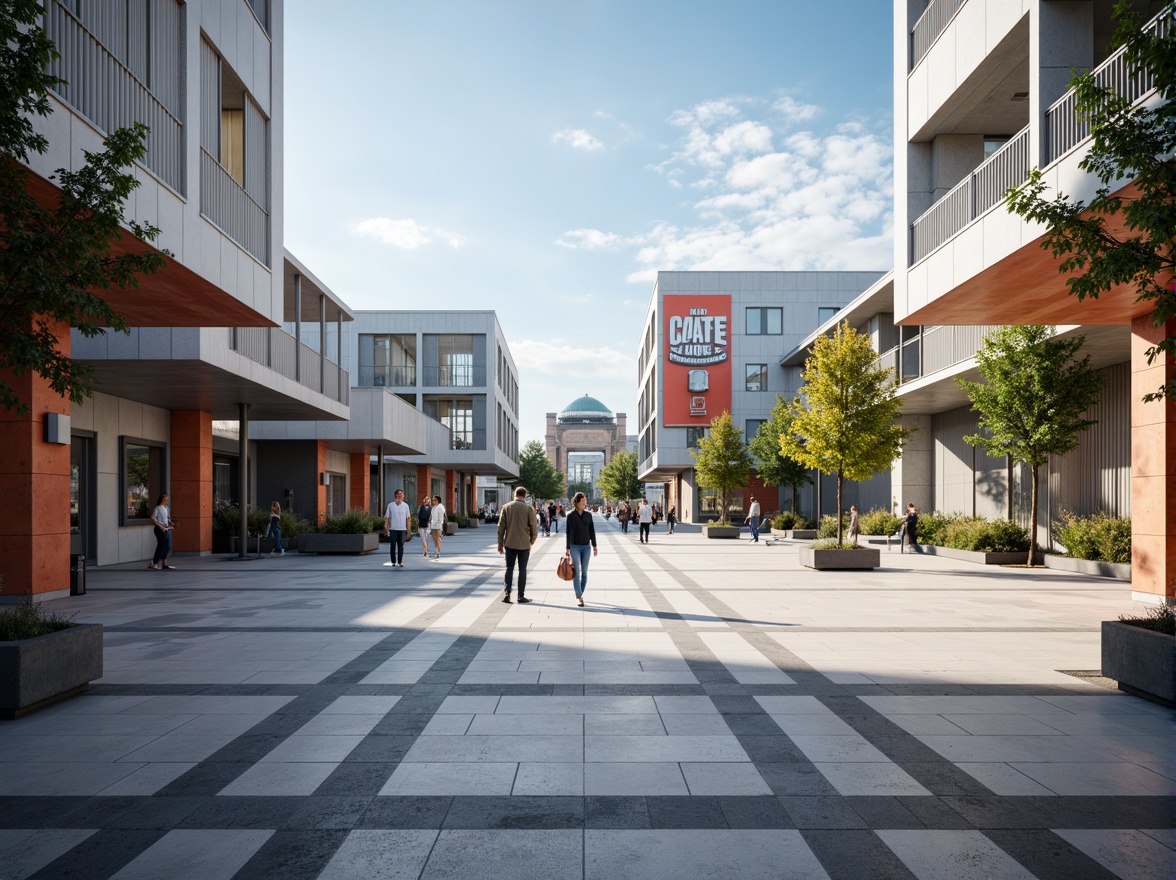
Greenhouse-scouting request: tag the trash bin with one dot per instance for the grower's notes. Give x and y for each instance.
(77, 575)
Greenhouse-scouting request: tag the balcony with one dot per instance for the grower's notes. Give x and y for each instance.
(227, 204)
(455, 376)
(275, 348)
(1066, 128)
(387, 377)
(930, 25)
(105, 91)
(977, 193)
(935, 349)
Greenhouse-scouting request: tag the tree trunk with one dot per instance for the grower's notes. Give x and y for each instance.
(839, 479)
(794, 497)
(1033, 517)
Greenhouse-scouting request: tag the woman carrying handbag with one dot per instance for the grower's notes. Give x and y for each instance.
(581, 538)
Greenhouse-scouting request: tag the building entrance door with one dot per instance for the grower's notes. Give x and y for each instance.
(82, 510)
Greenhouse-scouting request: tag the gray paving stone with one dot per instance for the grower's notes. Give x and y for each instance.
(953, 855)
(385, 854)
(203, 854)
(519, 855)
(706, 854)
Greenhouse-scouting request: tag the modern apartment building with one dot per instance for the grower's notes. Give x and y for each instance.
(980, 89)
(712, 341)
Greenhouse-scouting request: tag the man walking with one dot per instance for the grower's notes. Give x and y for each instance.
(644, 519)
(753, 519)
(517, 531)
(396, 525)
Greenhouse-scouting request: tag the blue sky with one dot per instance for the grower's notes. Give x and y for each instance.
(546, 159)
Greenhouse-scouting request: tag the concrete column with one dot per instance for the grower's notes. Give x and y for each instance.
(473, 494)
(1061, 37)
(34, 483)
(910, 478)
(380, 500)
(424, 481)
(449, 498)
(360, 485)
(191, 480)
(243, 480)
(298, 328)
(1153, 468)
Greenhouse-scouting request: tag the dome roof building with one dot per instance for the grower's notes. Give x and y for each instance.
(584, 425)
(586, 410)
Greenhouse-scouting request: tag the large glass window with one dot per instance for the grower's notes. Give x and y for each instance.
(457, 414)
(143, 478)
(765, 321)
(693, 435)
(751, 428)
(454, 366)
(756, 378)
(826, 313)
(387, 360)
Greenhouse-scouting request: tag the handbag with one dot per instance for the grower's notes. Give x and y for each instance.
(565, 571)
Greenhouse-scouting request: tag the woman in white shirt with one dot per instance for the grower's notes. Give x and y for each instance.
(162, 522)
(437, 523)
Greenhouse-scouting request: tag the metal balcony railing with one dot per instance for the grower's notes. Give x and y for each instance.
(455, 376)
(226, 203)
(475, 439)
(1066, 128)
(104, 90)
(275, 348)
(930, 25)
(945, 347)
(972, 196)
(888, 360)
(387, 377)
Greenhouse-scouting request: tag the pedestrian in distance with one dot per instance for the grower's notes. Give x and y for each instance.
(671, 518)
(855, 528)
(275, 528)
(551, 516)
(162, 524)
(623, 517)
(644, 519)
(517, 530)
(397, 518)
(581, 538)
(753, 519)
(437, 520)
(423, 515)
(910, 524)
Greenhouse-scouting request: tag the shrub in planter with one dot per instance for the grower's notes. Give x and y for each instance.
(225, 521)
(1097, 537)
(932, 527)
(355, 521)
(20, 622)
(828, 526)
(461, 519)
(983, 536)
(879, 521)
(832, 544)
(1160, 618)
(787, 520)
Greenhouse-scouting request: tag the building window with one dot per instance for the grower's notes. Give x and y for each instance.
(765, 322)
(387, 360)
(693, 435)
(751, 428)
(455, 360)
(144, 479)
(826, 313)
(336, 494)
(756, 378)
(457, 414)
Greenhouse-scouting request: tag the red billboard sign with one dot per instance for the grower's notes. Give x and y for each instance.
(696, 361)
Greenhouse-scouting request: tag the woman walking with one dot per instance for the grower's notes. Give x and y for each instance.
(275, 528)
(162, 524)
(437, 520)
(581, 538)
(671, 518)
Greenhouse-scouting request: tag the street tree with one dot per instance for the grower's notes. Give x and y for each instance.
(722, 461)
(580, 486)
(845, 422)
(1127, 238)
(618, 479)
(538, 474)
(773, 466)
(57, 259)
(1033, 401)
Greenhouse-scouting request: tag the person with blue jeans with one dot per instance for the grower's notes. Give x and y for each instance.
(753, 519)
(275, 528)
(581, 543)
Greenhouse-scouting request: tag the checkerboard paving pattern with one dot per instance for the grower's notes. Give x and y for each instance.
(715, 711)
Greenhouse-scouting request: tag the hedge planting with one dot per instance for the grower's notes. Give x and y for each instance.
(1099, 537)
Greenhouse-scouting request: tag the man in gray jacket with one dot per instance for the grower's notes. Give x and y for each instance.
(517, 531)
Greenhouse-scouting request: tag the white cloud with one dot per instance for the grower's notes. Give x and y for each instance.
(589, 240)
(577, 139)
(775, 197)
(558, 355)
(407, 234)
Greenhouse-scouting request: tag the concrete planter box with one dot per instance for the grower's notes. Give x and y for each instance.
(1092, 567)
(316, 543)
(795, 534)
(40, 671)
(823, 560)
(1143, 662)
(473, 523)
(1018, 558)
(713, 531)
(450, 527)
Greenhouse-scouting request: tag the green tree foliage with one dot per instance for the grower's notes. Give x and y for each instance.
(1129, 238)
(618, 479)
(844, 423)
(586, 488)
(537, 474)
(55, 261)
(722, 462)
(773, 466)
(1033, 400)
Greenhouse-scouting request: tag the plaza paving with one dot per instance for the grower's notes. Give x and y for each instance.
(715, 711)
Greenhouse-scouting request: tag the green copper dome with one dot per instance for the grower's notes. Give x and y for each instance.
(586, 409)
